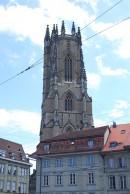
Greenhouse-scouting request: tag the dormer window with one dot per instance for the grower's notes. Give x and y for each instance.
(11, 154)
(46, 147)
(113, 144)
(90, 143)
(122, 131)
(2, 153)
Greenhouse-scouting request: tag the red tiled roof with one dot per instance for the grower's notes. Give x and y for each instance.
(11, 147)
(73, 142)
(120, 135)
(92, 132)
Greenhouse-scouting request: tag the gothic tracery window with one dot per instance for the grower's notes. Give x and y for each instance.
(68, 69)
(68, 103)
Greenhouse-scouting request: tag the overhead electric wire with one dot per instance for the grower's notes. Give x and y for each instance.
(102, 14)
(37, 62)
(106, 29)
(28, 68)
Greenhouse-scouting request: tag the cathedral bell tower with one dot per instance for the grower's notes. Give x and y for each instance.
(66, 105)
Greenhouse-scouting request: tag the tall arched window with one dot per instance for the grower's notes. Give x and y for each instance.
(68, 69)
(68, 103)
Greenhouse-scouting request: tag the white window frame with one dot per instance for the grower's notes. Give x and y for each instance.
(90, 160)
(13, 186)
(72, 179)
(91, 178)
(59, 162)
(2, 168)
(72, 161)
(1, 185)
(59, 180)
(122, 162)
(14, 170)
(46, 180)
(9, 169)
(123, 182)
(8, 186)
(111, 162)
(112, 182)
(46, 163)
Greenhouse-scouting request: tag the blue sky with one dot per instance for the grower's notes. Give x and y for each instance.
(106, 57)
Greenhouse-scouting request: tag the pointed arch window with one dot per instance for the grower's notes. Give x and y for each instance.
(68, 103)
(68, 69)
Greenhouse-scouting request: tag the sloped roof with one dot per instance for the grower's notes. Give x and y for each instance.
(92, 132)
(120, 134)
(11, 147)
(72, 142)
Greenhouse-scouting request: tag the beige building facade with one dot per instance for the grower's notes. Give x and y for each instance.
(71, 163)
(14, 168)
(116, 155)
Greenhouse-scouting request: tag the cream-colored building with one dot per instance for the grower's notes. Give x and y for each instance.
(116, 154)
(71, 163)
(14, 168)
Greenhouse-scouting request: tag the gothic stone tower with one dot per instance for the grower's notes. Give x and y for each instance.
(66, 105)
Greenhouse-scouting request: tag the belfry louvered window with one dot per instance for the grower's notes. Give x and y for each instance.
(68, 69)
(68, 103)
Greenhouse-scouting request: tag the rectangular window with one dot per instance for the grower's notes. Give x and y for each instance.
(68, 69)
(90, 160)
(112, 182)
(1, 185)
(111, 162)
(45, 180)
(14, 170)
(123, 182)
(91, 178)
(9, 169)
(72, 161)
(58, 179)
(14, 186)
(46, 163)
(59, 162)
(90, 143)
(122, 162)
(22, 172)
(8, 186)
(22, 188)
(72, 178)
(2, 153)
(2, 168)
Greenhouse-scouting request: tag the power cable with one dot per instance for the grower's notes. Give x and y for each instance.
(28, 68)
(37, 62)
(107, 28)
(102, 14)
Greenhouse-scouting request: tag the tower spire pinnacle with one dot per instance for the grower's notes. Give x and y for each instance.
(79, 36)
(73, 29)
(63, 29)
(47, 37)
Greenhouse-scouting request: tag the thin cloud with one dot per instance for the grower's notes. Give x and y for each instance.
(120, 33)
(108, 71)
(119, 109)
(20, 120)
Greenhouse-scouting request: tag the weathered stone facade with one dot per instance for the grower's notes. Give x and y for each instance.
(66, 105)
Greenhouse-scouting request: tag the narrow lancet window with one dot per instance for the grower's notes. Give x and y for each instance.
(68, 103)
(68, 69)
